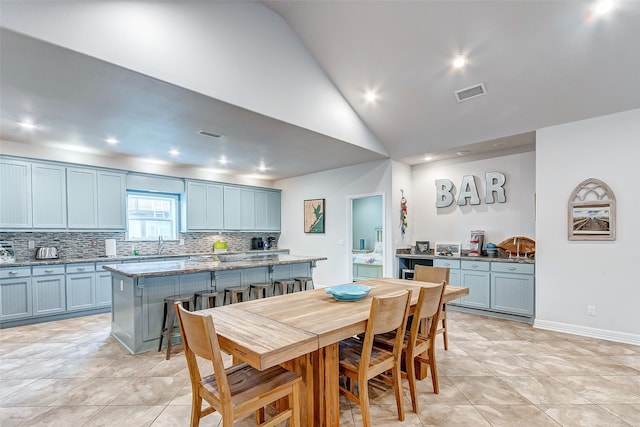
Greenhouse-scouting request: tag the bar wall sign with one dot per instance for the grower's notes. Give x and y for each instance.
(494, 183)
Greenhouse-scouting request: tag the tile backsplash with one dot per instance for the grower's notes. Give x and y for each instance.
(92, 244)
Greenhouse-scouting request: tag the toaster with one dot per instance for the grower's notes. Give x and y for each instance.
(47, 253)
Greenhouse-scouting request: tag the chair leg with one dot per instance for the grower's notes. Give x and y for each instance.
(411, 376)
(444, 326)
(397, 386)
(196, 407)
(434, 370)
(171, 319)
(363, 395)
(164, 322)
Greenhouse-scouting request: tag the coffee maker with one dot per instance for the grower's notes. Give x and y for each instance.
(256, 243)
(476, 242)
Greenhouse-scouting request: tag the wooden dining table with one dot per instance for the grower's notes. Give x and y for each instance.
(301, 332)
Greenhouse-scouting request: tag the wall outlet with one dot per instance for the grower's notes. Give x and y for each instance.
(181, 242)
(94, 243)
(591, 310)
(32, 244)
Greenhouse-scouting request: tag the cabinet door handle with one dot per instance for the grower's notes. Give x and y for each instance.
(447, 264)
(512, 268)
(13, 272)
(48, 270)
(474, 266)
(80, 268)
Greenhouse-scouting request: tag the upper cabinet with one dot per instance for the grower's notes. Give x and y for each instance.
(239, 208)
(49, 194)
(267, 210)
(95, 199)
(204, 206)
(15, 194)
(111, 200)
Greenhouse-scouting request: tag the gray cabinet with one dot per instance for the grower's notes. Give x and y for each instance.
(15, 293)
(512, 288)
(103, 286)
(49, 195)
(111, 200)
(82, 198)
(15, 190)
(475, 276)
(95, 199)
(81, 286)
(205, 206)
(48, 289)
(267, 210)
(239, 208)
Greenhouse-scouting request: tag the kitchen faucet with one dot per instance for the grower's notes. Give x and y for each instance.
(160, 245)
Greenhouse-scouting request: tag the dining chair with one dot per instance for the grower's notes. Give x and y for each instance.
(424, 273)
(238, 390)
(361, 360)
(419, 342)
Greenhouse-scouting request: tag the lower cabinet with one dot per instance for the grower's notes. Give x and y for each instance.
(15, 293)
(454, 269)
(475, 276)
(81, 286)
(103, 285)
(49, 290)
(512, 288)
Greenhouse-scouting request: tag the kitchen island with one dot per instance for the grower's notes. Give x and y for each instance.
(138, 290)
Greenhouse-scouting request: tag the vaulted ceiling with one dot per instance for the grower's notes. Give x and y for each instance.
(541, 64)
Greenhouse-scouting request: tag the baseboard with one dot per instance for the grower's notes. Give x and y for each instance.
(585, 331)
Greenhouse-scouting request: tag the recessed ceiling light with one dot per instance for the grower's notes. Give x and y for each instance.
(223, 160)
(428, 158)
(460, 61)
(111, 140)
(603, 7)
(462, 152)
(174, 152)
(370, 96)
(27, 124)
(262, 167)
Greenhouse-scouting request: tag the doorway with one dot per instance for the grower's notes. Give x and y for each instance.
(366, 231)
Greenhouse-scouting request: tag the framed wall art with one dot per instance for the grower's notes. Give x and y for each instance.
(447, 249)
(422, 247)
(314, 216)
(592, 211)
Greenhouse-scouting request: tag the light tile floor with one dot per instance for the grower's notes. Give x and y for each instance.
(495, 373)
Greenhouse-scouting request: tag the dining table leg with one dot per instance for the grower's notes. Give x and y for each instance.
(327, 403)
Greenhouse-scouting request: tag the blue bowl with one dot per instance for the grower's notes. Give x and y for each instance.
(348, 292)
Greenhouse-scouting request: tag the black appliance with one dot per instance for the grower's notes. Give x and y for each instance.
(256, 243)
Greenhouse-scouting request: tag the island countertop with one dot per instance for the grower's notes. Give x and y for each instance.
(169, 268)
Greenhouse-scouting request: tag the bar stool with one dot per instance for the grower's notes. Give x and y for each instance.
(236, 294)
(213, 298)
(283, 286)
(169, 318)
(304, 282)
(261, 290)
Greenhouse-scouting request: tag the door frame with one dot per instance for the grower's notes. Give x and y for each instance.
(349, 248)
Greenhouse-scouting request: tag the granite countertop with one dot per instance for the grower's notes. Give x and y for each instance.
(170, 268)
(117, 259)
(467, 258)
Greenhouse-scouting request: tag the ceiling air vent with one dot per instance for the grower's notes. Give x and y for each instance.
(470, 92)
(209, 133)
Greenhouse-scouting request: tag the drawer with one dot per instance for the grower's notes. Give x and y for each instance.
(81, 268)
(11, 272)
(450, 263)
(48, 270)
(513, 267)
(475, 265)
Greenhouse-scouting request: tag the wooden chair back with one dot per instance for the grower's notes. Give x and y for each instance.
(428, 308)
(425, 273)
(199, 338)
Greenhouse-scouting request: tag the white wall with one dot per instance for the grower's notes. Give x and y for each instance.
(516, 217)
(335, 186)
(573, 274)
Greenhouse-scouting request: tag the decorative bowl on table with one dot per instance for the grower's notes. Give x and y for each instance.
(348, 292)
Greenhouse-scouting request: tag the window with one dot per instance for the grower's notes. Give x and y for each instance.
(151, 215)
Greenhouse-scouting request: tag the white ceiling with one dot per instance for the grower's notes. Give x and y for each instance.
(542, 63)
